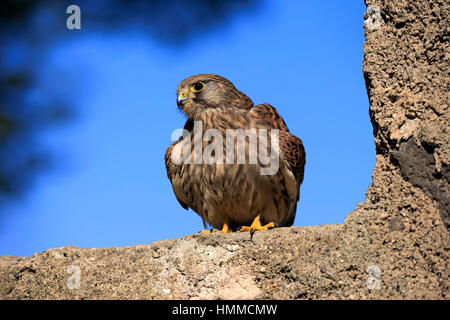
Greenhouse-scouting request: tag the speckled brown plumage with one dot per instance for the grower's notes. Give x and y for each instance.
(235, 193)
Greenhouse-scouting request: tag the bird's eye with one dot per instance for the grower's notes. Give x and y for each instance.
(197, 87)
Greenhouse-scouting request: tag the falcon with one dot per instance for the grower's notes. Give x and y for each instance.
(233, 195)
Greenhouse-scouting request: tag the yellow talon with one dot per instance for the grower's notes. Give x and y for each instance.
(224, 229)
(256, 225)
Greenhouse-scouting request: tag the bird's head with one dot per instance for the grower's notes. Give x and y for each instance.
(203, 92)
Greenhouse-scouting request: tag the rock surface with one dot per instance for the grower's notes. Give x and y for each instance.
(395, 245)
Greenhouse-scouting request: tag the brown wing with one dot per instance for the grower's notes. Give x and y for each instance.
(292, 150)
(291, 147)
(292, 156)
(268, 114)
(173, 170)
(292, 165)
(168, 160)
(170, 166)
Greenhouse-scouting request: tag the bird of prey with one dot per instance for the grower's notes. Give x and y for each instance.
(232, 195)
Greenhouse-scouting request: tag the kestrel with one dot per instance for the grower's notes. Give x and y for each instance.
(233, 195)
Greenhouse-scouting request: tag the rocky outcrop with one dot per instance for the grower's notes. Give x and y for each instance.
(395, 245)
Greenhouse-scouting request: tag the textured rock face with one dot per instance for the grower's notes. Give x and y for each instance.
(406, 67)
(395, 245)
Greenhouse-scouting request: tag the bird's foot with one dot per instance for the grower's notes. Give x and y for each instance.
(256, 225)
(224, 230)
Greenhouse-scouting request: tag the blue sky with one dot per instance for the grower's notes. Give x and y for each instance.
(110, 187)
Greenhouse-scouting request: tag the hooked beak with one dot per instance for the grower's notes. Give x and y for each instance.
(181, 99)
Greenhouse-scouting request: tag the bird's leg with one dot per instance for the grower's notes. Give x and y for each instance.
(224, 229)
(256, 225)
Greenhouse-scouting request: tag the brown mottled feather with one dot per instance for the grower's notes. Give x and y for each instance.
(293, 151)
(269, 114)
